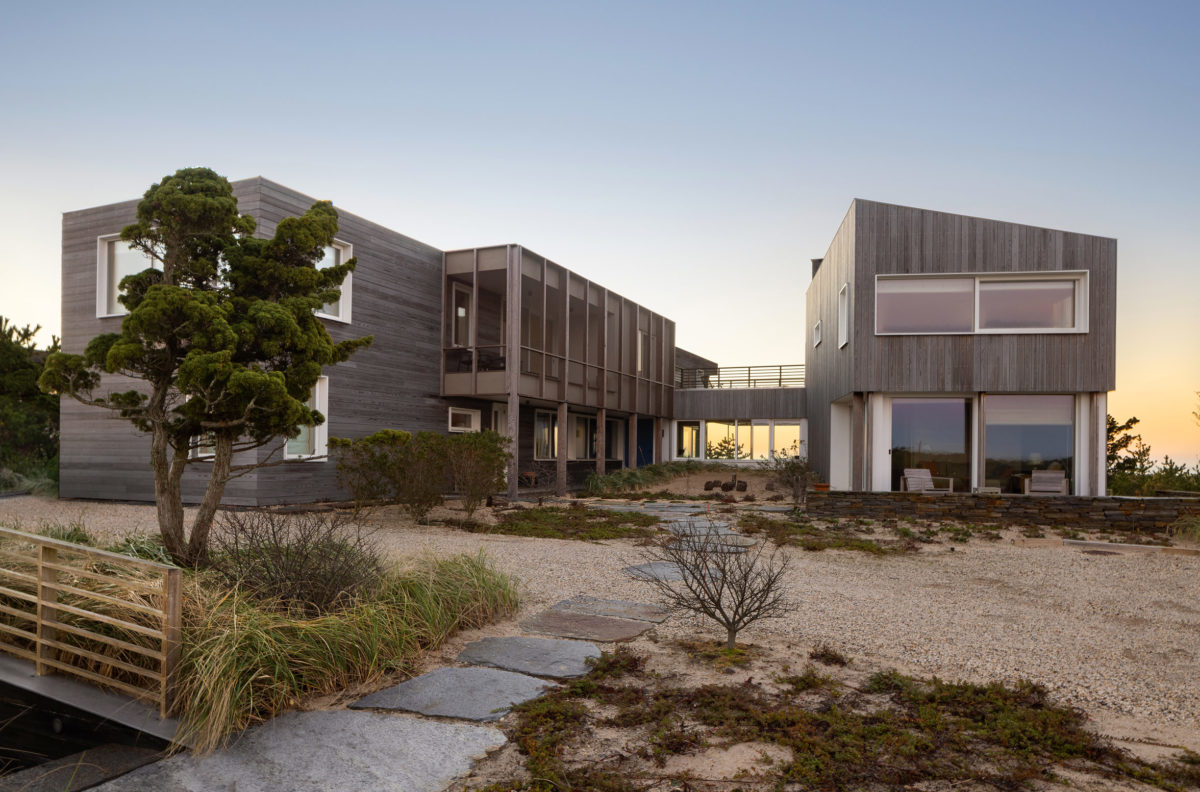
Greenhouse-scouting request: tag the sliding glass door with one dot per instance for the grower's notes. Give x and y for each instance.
(1024, 433)
(934, 434)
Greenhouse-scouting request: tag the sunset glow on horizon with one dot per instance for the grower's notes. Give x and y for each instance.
(693, 158)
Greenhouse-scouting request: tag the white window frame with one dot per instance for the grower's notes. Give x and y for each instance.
(462, 288)
(843, 327)
(816, 334)
(320, 399)
(345, 302)
(1080, 277)
(476, 417)
(102, 284)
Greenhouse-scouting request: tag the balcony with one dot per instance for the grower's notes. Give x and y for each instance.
(789, 376)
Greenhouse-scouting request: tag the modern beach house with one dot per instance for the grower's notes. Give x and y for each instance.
(978, 350)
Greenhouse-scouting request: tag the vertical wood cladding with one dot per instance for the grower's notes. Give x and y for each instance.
(394, 383)
(901, 240)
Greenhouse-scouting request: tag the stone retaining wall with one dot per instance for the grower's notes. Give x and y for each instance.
(1149, 515)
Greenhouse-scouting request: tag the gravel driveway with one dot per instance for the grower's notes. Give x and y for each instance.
(1111, 633)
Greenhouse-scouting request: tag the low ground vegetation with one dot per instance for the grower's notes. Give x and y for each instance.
(295, 606)
(571, 522)
(623, 728)
(628, 480)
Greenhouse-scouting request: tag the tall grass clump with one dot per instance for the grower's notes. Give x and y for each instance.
(246, 660)
(638, 479)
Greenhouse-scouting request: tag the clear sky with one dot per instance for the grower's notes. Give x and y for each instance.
(693, 155)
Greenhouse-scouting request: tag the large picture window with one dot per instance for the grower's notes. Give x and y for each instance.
(1054, 302)
(687, 439)
(1024, 433)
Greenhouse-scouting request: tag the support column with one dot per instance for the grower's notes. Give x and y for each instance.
(631, 440)
(601, 440)
(512, 366)
(514, 428)
(560, 460)
(858, 435)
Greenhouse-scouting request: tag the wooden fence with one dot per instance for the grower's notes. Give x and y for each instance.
(110, 619)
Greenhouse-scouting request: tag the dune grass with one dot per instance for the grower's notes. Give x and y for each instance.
(638, 479)
(244, 661)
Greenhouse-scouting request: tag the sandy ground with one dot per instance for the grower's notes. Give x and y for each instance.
(1117, 635)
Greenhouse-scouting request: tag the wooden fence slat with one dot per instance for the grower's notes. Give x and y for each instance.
(21, 595)
(115, 622)
(148, 587)
(20, 614)
(17, 631)
(53, 563)
(137, 606)
(24, 654)
(136, 692)
(149, 673)
(116, 643)
(28, 578)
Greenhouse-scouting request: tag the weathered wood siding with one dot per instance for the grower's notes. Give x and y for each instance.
(391, 384)
(828, 369)
(893, 239)
(740, 403)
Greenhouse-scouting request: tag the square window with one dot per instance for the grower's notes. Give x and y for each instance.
(335, 255)
(464, 420)
(115, 259)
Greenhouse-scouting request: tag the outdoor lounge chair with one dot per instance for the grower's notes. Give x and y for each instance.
(921, 480)
(1047, 482)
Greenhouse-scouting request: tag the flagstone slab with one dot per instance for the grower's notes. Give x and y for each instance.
(655, 570)
(478, 694)
(326, 750)
(584, 626)
(621, 609)
(545, 657)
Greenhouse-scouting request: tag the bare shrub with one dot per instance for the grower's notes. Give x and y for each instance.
(477, 464)
(733, 586)
(790, 470)
(311, 562)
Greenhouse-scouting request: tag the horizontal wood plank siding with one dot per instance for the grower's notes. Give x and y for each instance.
(392, 384)
(740, 403)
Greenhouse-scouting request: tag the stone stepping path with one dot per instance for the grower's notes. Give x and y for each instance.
(585, 626)
(655, 570)
(324, 750)
(699, 528)
(476, 694)
(544, 657)
(621, 609)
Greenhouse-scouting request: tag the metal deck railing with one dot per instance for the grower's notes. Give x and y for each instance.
(785, 376)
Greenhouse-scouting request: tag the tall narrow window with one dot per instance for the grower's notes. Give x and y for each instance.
(614, 438)
(844, 315)
(460, 334)
(584, 441)
(816, 334)
(687, 440)
(545, 435)
(312, 440)
(335, 255)
(643, 353)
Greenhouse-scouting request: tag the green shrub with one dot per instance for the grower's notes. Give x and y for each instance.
(71, 532)
(394, 467)
(477, 465)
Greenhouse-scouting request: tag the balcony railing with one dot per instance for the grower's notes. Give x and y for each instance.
(791, 376)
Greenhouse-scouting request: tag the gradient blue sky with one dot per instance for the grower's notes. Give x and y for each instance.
(693, 156)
